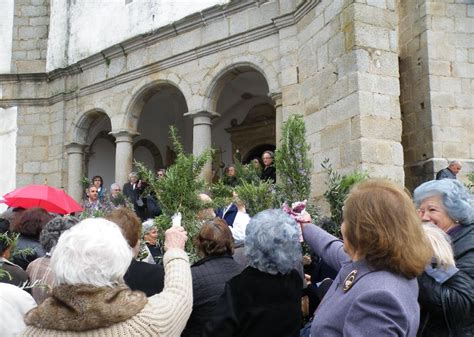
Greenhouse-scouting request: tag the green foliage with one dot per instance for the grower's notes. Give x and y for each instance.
(178, 190)
(470, 185)
(221, 194)
(85, 182)
(338, 187)
(292, 162)
(10, 240)
(246, 173)
(256, 197)
(120, 200)
(103, 210)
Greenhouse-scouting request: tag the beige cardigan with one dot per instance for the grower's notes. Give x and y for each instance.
(165, 314)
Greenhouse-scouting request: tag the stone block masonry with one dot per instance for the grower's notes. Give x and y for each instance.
(30, 36)
(436, 40)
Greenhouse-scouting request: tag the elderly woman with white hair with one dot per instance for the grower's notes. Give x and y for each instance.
(150, 236)
(447, 307)
(90, 298)
(265, 299)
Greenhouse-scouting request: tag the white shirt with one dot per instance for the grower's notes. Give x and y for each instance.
(239, 227)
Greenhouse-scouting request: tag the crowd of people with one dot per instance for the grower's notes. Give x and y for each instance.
(405, 267)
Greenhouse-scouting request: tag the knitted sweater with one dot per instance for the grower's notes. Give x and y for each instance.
(165, 314)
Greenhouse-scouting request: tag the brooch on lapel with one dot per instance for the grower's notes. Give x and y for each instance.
(349, 280)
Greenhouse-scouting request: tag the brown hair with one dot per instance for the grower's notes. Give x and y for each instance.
(128, 222)
(214, 238)
(383, 227)
(30, 222)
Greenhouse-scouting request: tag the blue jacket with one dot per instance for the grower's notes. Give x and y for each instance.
(379, 303)
(230, 215)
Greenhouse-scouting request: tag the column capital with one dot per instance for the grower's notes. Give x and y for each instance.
(72, 148)
(276, 98)
(123, 135)
(202, 113)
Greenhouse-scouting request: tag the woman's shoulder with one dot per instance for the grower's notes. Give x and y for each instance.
(214, 264)
(385, 282)
(463, 241)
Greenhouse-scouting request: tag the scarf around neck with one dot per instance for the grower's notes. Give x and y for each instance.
(85, 307)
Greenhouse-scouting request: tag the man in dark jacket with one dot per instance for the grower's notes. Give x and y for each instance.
(450, 172)
(133, 190)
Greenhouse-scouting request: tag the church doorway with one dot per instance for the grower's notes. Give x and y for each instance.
(247, 116)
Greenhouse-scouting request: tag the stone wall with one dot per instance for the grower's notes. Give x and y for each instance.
(30, 36)
(334, 61)
(437, 74)
(40, 145)
(349, 90)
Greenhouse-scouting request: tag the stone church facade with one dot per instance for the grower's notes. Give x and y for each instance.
(383, 85)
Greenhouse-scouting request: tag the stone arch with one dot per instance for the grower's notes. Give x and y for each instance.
(140, 96)
(155, 152)
(80, 127)
(230, 68)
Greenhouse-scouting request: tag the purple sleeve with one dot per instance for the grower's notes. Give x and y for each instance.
(326, 246)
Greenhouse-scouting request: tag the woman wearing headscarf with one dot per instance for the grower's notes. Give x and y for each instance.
(90, 298)
(375, 291)
(447, 305)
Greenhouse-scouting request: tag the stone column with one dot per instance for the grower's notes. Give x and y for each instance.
(75, 160)
(123, 154)
(202, 139)
(276, 98)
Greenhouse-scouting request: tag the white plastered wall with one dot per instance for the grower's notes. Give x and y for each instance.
(6, 31)
(86, 27)
(8, 132)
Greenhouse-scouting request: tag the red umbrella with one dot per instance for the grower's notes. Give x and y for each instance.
(50, 198)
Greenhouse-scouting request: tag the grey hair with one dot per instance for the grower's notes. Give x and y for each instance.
(272, 242)
(93, 252)
(132, 174)
(454, 162)
(457, 200)
(112, 187)
(53, 229)
(441, 244)
(147, 226)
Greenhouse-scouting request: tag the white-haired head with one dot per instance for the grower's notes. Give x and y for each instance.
(93, 252)
(272, 242)
(441, 244)
(147, 226)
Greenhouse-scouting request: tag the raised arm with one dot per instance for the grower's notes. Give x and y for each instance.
(172, 307)
(326, 246)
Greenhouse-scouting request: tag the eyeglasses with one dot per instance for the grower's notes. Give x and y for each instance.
(97, 180)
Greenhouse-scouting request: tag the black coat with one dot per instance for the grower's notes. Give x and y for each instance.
(255, 303)
(146, 277)
(269, 173)
(31, 248)
(447, 309)
(209, 278)
(135, 195)
(17, 276)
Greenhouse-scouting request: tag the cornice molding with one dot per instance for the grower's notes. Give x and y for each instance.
(194, 21)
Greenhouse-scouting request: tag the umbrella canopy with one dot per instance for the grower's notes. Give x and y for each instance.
(50, 198)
